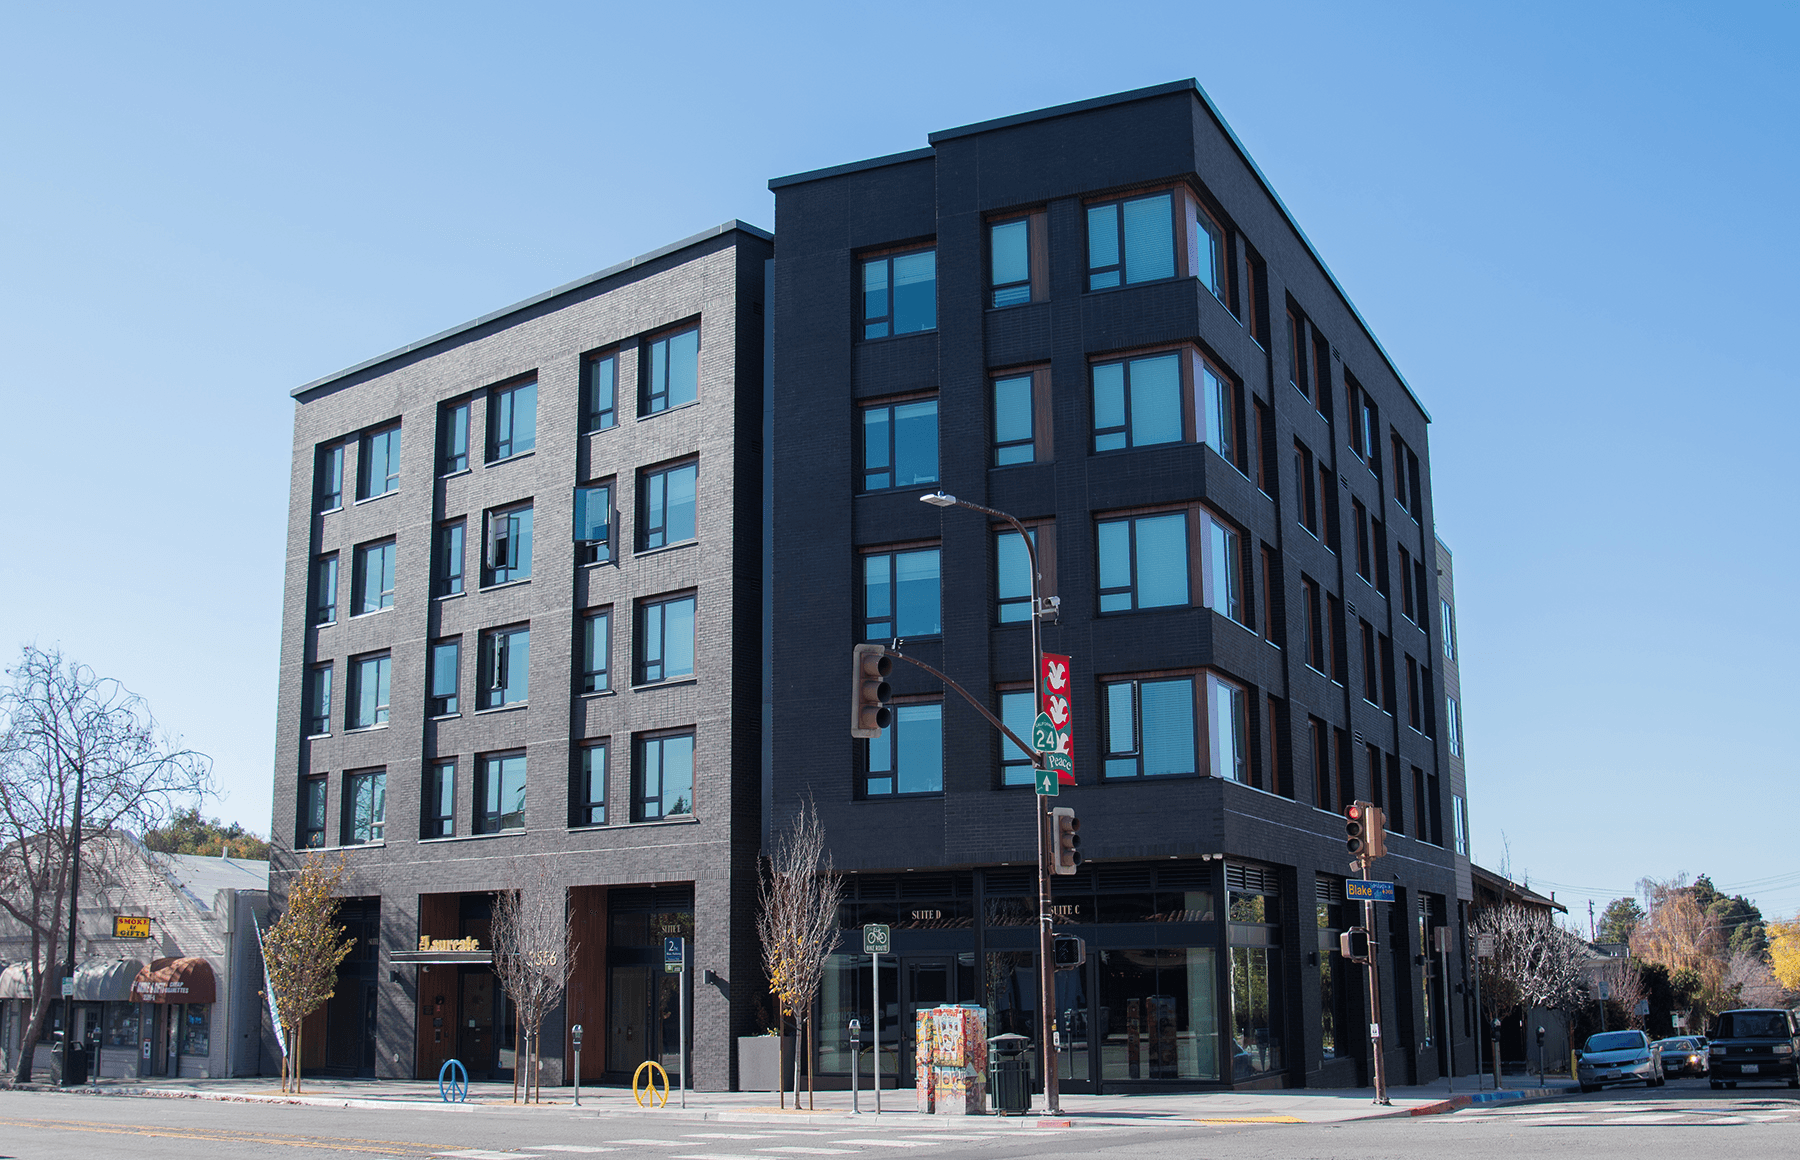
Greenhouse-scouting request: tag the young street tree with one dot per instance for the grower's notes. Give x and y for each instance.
(301, 953)
(1536, 963)
(64, 728)
(533, 934)
(798, 924)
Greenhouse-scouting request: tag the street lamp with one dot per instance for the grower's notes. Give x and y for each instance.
(1046, 967)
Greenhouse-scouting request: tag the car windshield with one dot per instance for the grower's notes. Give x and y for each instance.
(1615, 1041)
(1679, 1044)
(1752, 1025)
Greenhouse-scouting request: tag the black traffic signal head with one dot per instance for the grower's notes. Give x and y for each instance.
(1067, 952)
(1067, 856)
(1356, 828)
(1353, 944)
(869, 691)
(1375, 822)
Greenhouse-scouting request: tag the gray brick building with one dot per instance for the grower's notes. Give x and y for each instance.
(1101, 319)
(521, 644)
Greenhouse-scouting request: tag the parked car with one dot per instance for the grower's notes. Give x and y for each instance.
(1683, 1055)
(1619, 1057)
(1754, 1044)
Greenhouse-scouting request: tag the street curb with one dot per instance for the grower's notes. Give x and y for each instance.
(1458, 1103)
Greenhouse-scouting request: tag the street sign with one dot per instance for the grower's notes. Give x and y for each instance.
(1064, 768)
(1605, 991)
(131, 926)
(1484, 946)
(1043, 734)
(1058, 683)
(674, 955)
(1364, 890)
(1643, 1007)
(68, 987)
(1047, 780)
(876, 939)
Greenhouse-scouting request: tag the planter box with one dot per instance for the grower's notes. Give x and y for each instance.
(760, 1064)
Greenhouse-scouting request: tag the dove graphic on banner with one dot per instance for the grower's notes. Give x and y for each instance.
(1061, 713)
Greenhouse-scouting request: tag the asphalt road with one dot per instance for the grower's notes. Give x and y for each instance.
(1684, 1119)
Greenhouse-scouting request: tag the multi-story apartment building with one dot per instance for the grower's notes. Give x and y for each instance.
(1101, 319)
(521, 650)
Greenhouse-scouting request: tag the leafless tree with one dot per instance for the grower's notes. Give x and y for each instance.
(61, 724)
(533, 934)
(1749, 982)
(1626, 984)
(799, 898)
(1536, 963)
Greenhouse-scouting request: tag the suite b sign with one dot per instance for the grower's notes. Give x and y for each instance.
(131, 926)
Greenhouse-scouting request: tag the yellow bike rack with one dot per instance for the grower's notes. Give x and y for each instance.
(655, 1069)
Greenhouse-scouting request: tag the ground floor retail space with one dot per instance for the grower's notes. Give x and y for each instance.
(132, 1019)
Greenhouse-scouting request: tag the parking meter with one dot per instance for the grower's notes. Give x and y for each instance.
(855, 1050)
(575, 1041)
(575, 1032)
(1540, 1037)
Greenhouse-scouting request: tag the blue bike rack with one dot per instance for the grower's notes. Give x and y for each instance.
(453, 1082)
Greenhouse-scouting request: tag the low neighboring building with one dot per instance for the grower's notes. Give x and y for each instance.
(182, 1000)
(1517, 1033)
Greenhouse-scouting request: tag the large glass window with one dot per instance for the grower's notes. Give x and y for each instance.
(1012, 575)
(365, 806)
(500, 793)
(453, 437)
(1159, 1014)
(373, 577)
(1009, 262)
(900, 444)
(1131, 241)
(439, 801)
(1334, 979)
(901, 595)
(1255, 987)
(1143, 562)
(318, 700)
(1137, 402)
(1453, 725)
(1224, 569)
(596, 651)
(1447, 617)
(446, 672)
(666, 505)
(1219, 402)
(449, 552)
(908, 758)
(1019, 710)
(512, 421)
(1149, 728)
(378, 463)
(1015, 422)
(600, 392)
(505, 667)
(325, 586)
(1206, 244)
(664, 782)
(1460, 820)
(594, 523)
(665, 638)
(328, 478)
(367, 703)
(1228, 726)
(310, 833)
(672, 371)
(900, 294)
(588, 802)
(507, 556)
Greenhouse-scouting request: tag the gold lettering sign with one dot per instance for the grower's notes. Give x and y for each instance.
(131, 926)
(427, 943)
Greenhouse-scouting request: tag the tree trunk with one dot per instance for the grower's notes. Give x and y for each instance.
(518, 1045)
(299, 1030)
(809, 1068)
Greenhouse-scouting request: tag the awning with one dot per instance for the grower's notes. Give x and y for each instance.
(106, 980)
(439, 958)
(176, 981)
(14, 983)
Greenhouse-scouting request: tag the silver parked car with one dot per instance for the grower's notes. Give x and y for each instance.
(1619, 1057)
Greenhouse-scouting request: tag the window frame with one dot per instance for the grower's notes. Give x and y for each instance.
(493, 820)
(590, 550)
(316, 709)
(640, 751)
(1125, 429)
(438, 823)
(654, 398)
(892, 406)
(323, 610)
(389, 436)
(1016, 766)
(594, 416)
(657, 607)
(1036, 283)
(906, 709)
(504, 441)
(1113, 759)
(1238, 586)
(1453, 724)
(353, 831)
(437, 702)
(595, 679)
(585, 810)
(453, 437)
(494, 666)
(888, 320)
(652, 486)
(519, 525)
(450, 547)
(1132, 589)
(1040, 440)
(1044, 540)
(380, 707)
(1179, 262)
(310, 818)
(386, 553)
(1217, 756)
(892, 553)
(328, 477)
(1312, 620)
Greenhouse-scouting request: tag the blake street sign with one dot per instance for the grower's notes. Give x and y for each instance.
(1363, 890)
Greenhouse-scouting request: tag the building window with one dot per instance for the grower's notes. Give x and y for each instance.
(318, 700)
(373, 577)
(901, 594)
(512, 421)
(1365, 566)
(310, 834)
(1389, 703)
(1378, 534)
(1459, 818)
(1228, 729)
(439, 802)
(1371, 687)
(594, 523)
(664, 777)
(367, 703)
(1223, 580)
(908, 758)
(507, 556)
(1320, 736)
(1018, 708)
(1448, 616)
(328, 477)
(325, 584)
(1219, 400)
(1149, 728)
(500, 793)
(453, 438)
(1365, 421)
(446, 678)
(1137, 402)
(588, 801)
(505, 667)
(666, 505)
(1206, 244)
(1415, 710)
(1339, 640)
(378, 463)
(1281, 762)
(1305, 497)
(1012, 570)
(1408, 608)
(1453, 725)
(1297, 362)
(1313, 622)
(672, 372)
(1143, 562)
(900, 294)
(1021, 435)
(665, 634)
(600, 392)
(1265, 448)
(596, 651)
(1271, 596)
(448, 559)
(900, 444)
(1131, 241)
(365, 806)
(1017, 259)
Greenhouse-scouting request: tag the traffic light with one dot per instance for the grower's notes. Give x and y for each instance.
(1375, 820)
(1067, 857)
(1353, 944)
(869, 691)
(1363, 830)
(1067, 952)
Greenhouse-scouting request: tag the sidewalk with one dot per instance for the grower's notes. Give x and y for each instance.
(1291, 1105)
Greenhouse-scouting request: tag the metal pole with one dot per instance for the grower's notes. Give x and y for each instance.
(682, 982)
(74, 930)
(1381, 1096)
(875, 1026)
(1480, 1021)
(855, 1080)
(1444, 982)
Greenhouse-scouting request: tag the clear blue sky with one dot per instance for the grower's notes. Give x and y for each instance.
(1573, 226)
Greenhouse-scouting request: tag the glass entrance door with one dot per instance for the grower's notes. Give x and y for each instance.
(643, 1019)
(925, 983)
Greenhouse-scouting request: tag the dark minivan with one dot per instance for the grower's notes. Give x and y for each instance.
(1754, 1045)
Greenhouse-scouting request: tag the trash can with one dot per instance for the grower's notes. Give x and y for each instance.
(75, 1073)
(1009, 1074)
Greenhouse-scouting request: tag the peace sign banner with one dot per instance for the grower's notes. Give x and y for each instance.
(1056, 706)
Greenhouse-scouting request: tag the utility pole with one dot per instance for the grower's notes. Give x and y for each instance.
(1381, 1096)
(1593, 932)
